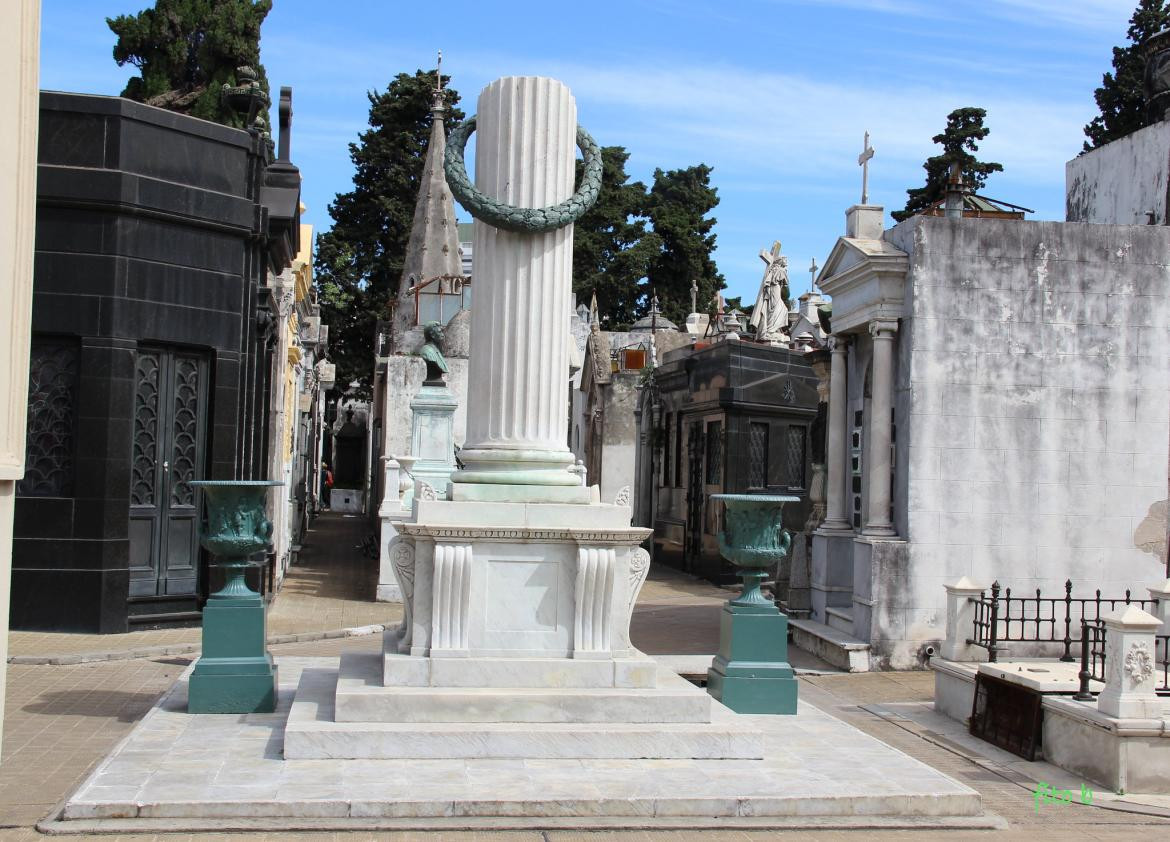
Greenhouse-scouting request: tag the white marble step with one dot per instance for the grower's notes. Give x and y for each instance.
(312, 733)
(412, 671)
(362, 697)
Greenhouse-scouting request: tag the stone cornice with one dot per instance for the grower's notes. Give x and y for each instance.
(586, 537)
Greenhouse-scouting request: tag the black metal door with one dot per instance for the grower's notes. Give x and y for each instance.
(167, 452)
(693, 548)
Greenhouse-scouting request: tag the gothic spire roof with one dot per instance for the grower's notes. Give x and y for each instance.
(433, 247)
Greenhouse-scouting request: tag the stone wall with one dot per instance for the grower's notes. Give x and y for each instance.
(1122, 182)
(1033, 383)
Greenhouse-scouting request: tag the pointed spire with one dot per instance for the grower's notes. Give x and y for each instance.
(433, 248)
(593, 317)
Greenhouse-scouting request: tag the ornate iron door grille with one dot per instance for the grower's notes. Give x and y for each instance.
(1007, 715)
(695, 497)
(167, 452)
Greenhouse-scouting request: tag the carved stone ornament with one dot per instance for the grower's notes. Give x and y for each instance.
(1139, 664)
(623, 497)
(639, 568)
(426, 491)
(402, 557)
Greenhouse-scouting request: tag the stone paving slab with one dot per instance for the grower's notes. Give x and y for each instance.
(196, 771)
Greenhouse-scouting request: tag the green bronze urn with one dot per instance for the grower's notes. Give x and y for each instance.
(235, 673)
(751, 673)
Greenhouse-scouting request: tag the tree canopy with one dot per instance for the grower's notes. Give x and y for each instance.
(612, 250)
(1120, 99)
(680, 201)
(959, 140)
(358, 262)
(186, 50)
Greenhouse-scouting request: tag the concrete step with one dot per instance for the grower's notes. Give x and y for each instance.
(312, 733)
(840, 619)
(362, 697)
(830, 644)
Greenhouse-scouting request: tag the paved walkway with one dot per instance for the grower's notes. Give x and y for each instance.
(330, 589)
(61, 720)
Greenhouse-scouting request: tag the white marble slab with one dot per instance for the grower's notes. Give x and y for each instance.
(203, 771)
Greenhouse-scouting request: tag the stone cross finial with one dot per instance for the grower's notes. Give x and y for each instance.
(863, 162)
(812, 271)
(437, 97)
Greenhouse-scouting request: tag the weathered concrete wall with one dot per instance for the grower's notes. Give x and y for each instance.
(1123, 182)
(619, 448)
(1036, 442)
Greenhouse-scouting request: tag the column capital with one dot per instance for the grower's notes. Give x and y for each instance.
(883, 328)
(838, 344)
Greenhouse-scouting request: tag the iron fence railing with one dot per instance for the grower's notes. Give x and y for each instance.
(1093, 660)
(1001, 617)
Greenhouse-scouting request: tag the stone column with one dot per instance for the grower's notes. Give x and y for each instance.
(516, 439)
(1130, 668)
(836, 517)
(881, 403)
(961, 622)
(19, 65)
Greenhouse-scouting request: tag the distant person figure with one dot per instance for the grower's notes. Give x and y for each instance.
(326, 485)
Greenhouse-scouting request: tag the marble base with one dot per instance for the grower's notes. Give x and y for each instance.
(315, 729)
(361, 697)
(176, 772)
(412, 671)
(485, 492)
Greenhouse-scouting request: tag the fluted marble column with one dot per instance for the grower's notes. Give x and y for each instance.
(517, 424)
(880, 424)
(837, 513)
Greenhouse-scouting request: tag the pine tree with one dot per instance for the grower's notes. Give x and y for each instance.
(612, 249)
(359, 260)
(959, 140)
(679, 203)
(186, 50)
(1120, 98)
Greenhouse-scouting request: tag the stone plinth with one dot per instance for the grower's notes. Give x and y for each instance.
(432, 437)
(1130, 667)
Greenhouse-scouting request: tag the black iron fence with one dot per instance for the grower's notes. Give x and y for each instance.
(1093, 660)
(1001, 617)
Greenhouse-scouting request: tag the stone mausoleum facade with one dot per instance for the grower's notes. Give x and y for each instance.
(998, 408)
(153, 331)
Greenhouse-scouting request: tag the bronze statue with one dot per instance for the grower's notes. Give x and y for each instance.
(432, 354)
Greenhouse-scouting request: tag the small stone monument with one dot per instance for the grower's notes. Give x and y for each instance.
(432, 438)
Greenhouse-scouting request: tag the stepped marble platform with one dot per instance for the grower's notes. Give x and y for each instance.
(543, 724)
(182, 772)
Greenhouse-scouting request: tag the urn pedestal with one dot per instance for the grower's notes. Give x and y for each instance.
(235, 673)
(751, 673)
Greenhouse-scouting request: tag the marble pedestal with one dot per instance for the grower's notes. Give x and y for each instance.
(432, 436)
(516, 637)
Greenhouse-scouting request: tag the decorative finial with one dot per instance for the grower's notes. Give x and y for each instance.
(593, 317)
(863, 162)
(437, 97)
(694, 296)
(812, 270)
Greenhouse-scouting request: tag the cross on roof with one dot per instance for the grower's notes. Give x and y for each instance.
(863, 162)
(812, 270)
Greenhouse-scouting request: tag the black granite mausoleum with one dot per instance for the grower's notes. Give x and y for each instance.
(151, 356)
(732, 417)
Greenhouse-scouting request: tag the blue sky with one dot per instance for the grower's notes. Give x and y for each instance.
(774, 94)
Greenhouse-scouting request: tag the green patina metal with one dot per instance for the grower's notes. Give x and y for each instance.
(235, 673)
(751, 673)
(511, 218)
